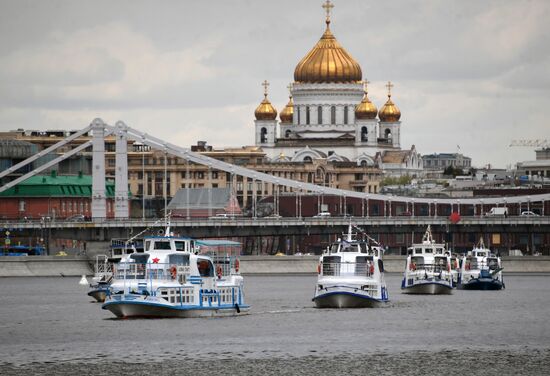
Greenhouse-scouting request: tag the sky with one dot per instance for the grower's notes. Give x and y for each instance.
(469, 75)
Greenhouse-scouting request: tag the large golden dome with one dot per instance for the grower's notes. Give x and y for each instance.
(327, 62)
(366, 109)
(265, 111)
(389, 112)
(287, 112)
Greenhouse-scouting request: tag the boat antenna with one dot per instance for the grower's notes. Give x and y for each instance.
(427, 238)
(367, 236)
(144, 231)
(481, 243)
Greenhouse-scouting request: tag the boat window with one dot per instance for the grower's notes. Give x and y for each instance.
(428, 250)
(334, 247)
(140, 258)
(439, 250)
(180, 245)
(178, 259)
(441, 261)
(147, 245)
(362, 259)
(350, 247)
(409, 251)
(162, 245)
(381, 265)
(418, 261)
(492, 263)
(206, 269)
(331, 265)
(418, 251)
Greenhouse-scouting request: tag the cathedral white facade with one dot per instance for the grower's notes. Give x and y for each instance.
(329, 115)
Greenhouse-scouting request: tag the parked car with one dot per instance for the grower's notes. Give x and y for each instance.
(497, 212)
(322, 215)
(76, 218)
(221, 216)
(529, 213)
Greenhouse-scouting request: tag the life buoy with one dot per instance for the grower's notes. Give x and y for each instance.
(467, 267)
(174, 272)
(412, 266)
(449, 267)
(318, 268)
(219, 272)
(456, 264)
(371, 269)
(237, 265)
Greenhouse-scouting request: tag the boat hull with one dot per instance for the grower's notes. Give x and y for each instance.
(482, 284)
(346, 300)
(136, 309)
(428, 288)
(98, 294)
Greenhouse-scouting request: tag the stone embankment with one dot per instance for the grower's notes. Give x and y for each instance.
(55, 266)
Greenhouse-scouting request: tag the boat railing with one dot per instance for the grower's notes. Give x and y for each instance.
(103, 269)
(433, 268)
(481, 265)
(226, 263)
(149, 271)
(349, 269)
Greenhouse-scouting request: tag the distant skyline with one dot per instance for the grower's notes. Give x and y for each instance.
(469, 75)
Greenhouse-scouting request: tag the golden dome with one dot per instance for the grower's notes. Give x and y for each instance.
(287, 112)
(265, 111)
(327, 61)
(366, 109)
(389, 111)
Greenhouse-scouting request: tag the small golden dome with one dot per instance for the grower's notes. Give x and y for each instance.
(287, 112)
(366, 109)
(389, 111)
(265, 111)
(328, 61)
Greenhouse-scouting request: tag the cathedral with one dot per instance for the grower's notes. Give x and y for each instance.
(330, 116)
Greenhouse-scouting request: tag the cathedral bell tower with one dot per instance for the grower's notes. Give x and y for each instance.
(266, 121)
(390, 126)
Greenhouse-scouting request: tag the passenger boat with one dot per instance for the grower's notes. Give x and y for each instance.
(351, 274)
(481, 270)
(172, 279)
(428, 268)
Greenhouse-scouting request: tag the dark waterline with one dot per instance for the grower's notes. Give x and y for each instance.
(49, 326)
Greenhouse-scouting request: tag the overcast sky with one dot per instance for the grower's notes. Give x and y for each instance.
(467, 73)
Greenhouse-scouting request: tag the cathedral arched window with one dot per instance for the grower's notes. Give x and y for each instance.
(333, 115)
(364, 164)
(307, 115)
(364, 134)
(345, 114)
(298, 114)
(263, 136)
(387, 133)
(308, 159)
(319, 115)
(287, 133)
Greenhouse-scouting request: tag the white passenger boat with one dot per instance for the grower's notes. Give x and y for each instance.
(428, 268)
(351, 275)
(481, 270)
(172, 279)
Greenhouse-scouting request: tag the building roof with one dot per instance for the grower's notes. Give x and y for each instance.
(57, 186)
(395, 156)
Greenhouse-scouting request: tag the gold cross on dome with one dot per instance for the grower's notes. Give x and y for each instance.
(289, 87)
(389, 85)
(265, 84)
(328, 6)
(366, 85)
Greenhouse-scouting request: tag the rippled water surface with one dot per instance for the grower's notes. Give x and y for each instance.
(50, 326)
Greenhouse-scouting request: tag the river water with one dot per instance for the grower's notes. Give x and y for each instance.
(49, 326)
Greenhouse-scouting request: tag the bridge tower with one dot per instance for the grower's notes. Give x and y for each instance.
(99, 209)
(121, 170)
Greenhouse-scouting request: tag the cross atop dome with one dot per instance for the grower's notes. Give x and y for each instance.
(366, 85)
(389, 85)
(327, 6)
(265, 84)
(289, 87)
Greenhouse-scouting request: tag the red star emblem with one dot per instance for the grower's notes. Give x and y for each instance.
(156, 260)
